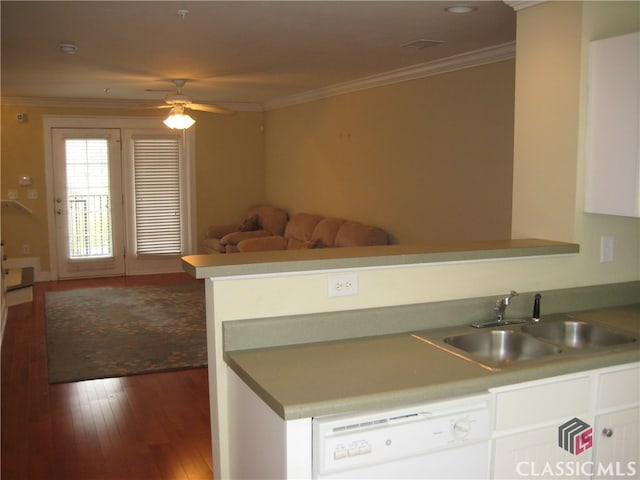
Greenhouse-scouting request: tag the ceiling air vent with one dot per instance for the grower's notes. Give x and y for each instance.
(422, 43)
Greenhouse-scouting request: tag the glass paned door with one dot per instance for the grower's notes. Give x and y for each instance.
(88, 202)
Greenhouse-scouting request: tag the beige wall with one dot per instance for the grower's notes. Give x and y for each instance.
(428, 159)
(229, 169)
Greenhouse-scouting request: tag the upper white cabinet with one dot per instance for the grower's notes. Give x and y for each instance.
(613, 148)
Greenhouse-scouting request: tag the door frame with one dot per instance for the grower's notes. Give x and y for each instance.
(122, 123)
(92, 266)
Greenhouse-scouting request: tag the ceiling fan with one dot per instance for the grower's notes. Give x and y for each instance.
(178, 102)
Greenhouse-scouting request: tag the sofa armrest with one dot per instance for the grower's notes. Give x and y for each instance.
(219, 231)
(273, 242)
(235, 238)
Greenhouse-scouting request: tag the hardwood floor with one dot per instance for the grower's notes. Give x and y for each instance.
(142, 427)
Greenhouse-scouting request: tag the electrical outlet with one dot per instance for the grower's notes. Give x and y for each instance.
(26, 249)
(342, 284)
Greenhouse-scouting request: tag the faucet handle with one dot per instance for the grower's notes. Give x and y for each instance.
(505, 300)
(535, 318)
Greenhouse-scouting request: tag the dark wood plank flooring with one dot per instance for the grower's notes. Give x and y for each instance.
(142, 427)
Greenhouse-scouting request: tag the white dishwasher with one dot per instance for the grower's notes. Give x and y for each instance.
(442, 440)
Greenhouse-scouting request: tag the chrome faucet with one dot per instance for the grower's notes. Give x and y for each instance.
(502, 304)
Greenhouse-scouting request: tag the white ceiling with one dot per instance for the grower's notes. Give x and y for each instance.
(232, 52)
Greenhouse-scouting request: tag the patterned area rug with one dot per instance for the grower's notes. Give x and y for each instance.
(112, 332)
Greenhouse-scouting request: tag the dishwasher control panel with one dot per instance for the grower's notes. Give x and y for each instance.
(349, 441)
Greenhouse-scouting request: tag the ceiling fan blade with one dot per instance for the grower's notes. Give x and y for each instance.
(154, 107)
(162, 90)
(209, 108)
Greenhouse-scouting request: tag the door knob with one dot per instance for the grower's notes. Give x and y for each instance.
(607, 432)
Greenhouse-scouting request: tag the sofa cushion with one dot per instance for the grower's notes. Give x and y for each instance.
(220, 231)
(325, 232)
(213, 245)
(295, 244)
(355, 234)
(301, 226)
(273, 242)
(271, 219)
(249, 224)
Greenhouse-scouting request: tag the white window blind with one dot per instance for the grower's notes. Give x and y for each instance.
(157, 196)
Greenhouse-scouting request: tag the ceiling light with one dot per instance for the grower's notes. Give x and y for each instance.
(68, 48)
(177, 119)
(460, 9)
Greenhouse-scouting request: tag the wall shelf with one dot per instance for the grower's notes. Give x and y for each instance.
(16, 204)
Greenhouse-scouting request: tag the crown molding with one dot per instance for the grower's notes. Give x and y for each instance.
(471, 59)
(110, 103)
(475, 58)
(522, 4)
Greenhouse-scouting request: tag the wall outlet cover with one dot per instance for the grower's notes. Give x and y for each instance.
(343, 284)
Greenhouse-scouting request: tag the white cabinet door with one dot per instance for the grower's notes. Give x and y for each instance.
(617, 444)
(535, 454)
(529, 421)
(613, 150)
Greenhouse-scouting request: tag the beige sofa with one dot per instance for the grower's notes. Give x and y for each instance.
(269, 228)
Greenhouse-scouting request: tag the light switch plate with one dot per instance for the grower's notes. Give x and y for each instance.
(607, 247)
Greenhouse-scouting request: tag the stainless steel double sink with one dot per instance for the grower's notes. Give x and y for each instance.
(499, 347)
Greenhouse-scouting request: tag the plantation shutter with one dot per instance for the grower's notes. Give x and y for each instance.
(157, 196)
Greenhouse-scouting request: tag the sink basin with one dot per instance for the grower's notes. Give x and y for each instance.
(501, 346)
(577, 334)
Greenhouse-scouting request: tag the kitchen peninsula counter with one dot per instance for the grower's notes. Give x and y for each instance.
(308, 380)
(286, 261)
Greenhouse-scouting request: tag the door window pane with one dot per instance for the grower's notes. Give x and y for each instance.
(89, 226)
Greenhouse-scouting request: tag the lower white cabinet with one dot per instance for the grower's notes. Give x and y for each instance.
(616, 444)
(584, 425)
(533, 454)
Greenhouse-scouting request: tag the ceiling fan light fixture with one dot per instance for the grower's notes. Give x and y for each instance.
(177, 119)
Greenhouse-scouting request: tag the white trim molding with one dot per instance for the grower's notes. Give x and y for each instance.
(498, 53)
(522, 4)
